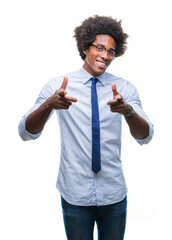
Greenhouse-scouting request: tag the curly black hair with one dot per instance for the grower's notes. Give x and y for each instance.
(85, 34)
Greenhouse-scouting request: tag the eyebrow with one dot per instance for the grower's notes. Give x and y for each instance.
(105, 47)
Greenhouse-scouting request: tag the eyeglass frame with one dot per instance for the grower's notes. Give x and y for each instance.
(104, 49)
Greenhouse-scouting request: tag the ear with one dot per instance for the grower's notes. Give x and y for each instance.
(85, 51)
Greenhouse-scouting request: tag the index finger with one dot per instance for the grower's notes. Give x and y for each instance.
(115, 102)
(70, 99)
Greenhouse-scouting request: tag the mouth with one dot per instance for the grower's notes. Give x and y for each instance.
(102, 64)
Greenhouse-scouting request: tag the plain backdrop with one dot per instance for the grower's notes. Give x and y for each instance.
(37, 44)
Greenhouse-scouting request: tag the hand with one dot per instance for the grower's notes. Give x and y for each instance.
(118, 104)
(59, 100)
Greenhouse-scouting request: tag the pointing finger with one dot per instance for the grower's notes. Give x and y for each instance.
(62, 93)
(70, 99)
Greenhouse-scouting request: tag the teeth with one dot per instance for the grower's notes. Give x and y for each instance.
(103, 64)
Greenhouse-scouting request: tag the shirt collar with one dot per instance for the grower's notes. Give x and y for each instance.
(86, 76)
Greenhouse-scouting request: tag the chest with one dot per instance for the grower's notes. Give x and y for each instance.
(81, 110)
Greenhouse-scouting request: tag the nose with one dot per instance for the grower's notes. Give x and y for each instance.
(104, 55)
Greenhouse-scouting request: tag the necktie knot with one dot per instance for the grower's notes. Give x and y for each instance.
(94, 80)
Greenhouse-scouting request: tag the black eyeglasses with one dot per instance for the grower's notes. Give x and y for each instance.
(100, 48)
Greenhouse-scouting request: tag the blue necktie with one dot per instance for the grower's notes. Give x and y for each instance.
(96, 162)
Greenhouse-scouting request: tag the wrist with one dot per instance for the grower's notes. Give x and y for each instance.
(130, 111)
(47, 105)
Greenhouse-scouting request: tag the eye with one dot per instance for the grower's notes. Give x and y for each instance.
(111, 52)
(100, 48)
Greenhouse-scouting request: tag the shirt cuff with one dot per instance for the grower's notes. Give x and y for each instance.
(147, 139)
(24, 134)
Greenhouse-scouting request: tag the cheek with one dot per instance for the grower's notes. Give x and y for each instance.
(91, 62)
(91, 59)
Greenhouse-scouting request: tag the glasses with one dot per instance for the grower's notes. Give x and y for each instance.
(101, 49)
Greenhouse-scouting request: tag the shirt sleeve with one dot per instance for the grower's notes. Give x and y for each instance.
(132, 98)
(47, 91)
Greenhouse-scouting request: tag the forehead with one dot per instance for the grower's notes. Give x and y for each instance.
(105, 40)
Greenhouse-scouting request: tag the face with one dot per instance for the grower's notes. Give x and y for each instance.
(96, 63)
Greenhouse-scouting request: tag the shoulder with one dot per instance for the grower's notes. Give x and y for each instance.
(53, 84)
(56, 82)
(124, 87)
(121, 82)
(74, 76)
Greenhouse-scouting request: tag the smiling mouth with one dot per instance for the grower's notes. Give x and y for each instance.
(102, 64)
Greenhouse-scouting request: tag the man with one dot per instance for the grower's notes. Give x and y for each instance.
(90, 104)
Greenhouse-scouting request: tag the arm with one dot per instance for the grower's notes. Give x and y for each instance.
(36, 120)
(138, 126)
(32, 124)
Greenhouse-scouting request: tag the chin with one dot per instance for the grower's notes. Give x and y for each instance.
(100, 71)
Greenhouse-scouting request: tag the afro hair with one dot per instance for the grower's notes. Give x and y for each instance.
(85, 34)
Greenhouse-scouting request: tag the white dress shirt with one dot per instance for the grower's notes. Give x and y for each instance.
(77, 183)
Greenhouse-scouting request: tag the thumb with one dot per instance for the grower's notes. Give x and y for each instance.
(62, 90)
(114, 90)
(64, 83)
